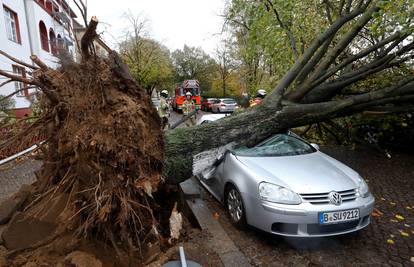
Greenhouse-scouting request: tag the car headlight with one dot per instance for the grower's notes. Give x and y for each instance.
(363, 188)
(278, 194)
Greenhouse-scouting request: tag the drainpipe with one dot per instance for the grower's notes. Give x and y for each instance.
(28, 27)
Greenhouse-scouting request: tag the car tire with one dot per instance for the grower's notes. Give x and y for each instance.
(235, 207)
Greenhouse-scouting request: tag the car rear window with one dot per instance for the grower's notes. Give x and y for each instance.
(229, 101)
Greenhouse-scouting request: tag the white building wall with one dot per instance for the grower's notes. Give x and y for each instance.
(19, 51)
(29, 18)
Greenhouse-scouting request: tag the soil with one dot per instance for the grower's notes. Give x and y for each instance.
(392, 183)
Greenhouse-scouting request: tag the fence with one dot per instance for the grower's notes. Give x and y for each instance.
(7, 132)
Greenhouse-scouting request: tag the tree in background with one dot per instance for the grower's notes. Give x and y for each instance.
(6, 104)
(194, 63)
(148, 60)
(225, 67)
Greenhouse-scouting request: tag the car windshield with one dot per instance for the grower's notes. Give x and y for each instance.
(229, 101)
(278, 145)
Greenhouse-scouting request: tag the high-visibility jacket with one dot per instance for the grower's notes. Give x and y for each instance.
(162, 111)
(188, 106)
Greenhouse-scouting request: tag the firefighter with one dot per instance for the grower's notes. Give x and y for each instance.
(188, 108)
(164, 108)
(261, 93)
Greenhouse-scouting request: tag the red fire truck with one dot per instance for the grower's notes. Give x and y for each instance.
(192, 86)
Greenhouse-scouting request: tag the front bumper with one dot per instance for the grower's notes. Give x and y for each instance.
(303, 220)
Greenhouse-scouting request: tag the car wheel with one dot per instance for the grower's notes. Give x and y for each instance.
(235, 207)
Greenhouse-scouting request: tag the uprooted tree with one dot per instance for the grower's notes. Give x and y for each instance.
(105, 150)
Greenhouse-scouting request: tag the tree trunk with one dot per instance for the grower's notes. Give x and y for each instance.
(261, 122)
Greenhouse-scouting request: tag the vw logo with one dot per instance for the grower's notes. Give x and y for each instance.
(335, 198)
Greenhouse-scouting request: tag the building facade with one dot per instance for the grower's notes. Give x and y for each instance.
(33, 27)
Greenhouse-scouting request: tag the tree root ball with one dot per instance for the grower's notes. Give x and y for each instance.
(104, 152)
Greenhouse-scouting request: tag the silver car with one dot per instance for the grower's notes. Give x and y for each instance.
(224, 105)
(286, 186)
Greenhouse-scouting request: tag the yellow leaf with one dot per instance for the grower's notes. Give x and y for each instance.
(408, 208)
(399, 217)
(392, 203)
(390, 241)
(412, 259)
(404, 234)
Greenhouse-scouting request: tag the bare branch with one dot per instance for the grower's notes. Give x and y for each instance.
(290, 76)
(350, 59)
(306, 86)
(17, 60)
(17, 78)
(15, 92)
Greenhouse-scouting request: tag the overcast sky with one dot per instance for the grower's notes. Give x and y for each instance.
(172, 22)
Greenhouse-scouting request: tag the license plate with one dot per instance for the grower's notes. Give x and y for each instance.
(338, 216)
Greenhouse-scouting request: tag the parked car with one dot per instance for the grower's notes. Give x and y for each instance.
(207, 103)
(286, 186)
(208, 118)
(224, 105)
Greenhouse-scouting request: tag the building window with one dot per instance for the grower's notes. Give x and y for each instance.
(43, 36)
(12, 25)
(20, 85)
(53, 44)
(55, 7)
(49, 6)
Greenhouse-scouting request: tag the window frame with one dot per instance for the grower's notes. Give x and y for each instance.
(21, 71)
(44, 43)
(15, 20)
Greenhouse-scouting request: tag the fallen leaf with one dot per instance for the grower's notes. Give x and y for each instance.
(390, 241)
(392, 203)
(392, 220)
(382, 199)
(399, 217)
(404, 234)
(377, 213)
(407, 225)
(408, 208)
(392, 236)
(412, 259)
(216, 215)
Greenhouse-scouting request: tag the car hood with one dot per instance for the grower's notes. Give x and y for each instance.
(310, 173)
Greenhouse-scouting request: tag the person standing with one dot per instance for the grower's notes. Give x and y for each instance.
(188, 108)
(164, 108)
(259, 98)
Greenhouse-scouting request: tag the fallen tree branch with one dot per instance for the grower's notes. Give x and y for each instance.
(17, 60)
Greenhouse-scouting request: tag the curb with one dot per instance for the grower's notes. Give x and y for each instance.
(220, 242)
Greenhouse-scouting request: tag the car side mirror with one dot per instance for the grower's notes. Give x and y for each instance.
(315, 146)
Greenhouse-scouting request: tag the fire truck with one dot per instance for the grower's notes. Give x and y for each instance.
(192, 86)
